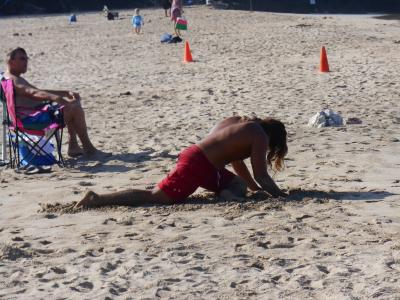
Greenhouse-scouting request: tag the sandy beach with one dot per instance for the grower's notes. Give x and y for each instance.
(337, 236)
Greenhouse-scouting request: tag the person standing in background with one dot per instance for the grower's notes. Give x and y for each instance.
(176, 12)
(166, 4)
(137, 21)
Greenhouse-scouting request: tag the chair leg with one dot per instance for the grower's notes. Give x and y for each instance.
(11, 153)
(16, 151)
(58, 135)
(11, 150)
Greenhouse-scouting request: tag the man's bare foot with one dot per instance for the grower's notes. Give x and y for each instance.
(74, 151)
(91, 199)
(91, 150)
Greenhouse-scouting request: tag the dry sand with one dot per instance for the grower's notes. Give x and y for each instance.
(337, 236)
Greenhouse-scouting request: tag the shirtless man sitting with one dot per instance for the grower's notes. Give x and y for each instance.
(29, 96)
(203, 165)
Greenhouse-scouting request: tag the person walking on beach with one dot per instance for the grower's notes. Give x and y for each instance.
(166, 4)
(137, 21)
(203, 165)
(29, 96)
(176, 12)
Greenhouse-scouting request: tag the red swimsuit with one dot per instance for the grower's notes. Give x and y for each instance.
(194, 170)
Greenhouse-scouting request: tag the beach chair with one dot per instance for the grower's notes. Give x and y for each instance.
(29, 141)
(3, 160)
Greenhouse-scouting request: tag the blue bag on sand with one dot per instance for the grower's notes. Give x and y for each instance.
(44, 158)
(166, 38)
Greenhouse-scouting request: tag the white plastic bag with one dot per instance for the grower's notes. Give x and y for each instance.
(326, 118)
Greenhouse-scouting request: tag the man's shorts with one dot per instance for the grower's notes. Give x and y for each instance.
(44, 115)
(194, 170)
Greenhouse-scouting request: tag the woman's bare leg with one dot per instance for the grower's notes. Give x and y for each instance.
(131, 197)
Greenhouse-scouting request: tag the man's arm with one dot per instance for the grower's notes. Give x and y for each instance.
(37, 95)
(67, 94)
(259, 164)
(241, 170)
(61, 93)
(58, 92)
(24, 89)
(269, 185)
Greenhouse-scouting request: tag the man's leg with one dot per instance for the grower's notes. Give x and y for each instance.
(125, 198)
(74, 117)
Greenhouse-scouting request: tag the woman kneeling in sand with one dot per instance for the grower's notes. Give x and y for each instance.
(203, 165)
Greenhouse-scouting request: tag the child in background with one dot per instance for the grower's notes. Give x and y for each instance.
(137, 21)
(176, 12)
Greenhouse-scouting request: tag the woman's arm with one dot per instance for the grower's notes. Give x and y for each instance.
(241, 170)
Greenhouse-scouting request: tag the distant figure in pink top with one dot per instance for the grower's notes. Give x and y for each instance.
(176, 12)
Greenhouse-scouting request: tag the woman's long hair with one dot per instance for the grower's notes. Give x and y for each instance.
(276, 132)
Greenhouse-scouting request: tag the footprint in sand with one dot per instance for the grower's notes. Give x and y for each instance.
(86, 183)
(323, 269)
(281, 245)
(257, 265)
(119, 250)
(162, 292)
(83, 287)
(58, 270)
(108, 267)
(45, 242)
(264, 245)
(12, 252)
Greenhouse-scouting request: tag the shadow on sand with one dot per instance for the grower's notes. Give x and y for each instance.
(389, 17)
(253, 202)
(299, 195)
(296, 195)
(100, 164)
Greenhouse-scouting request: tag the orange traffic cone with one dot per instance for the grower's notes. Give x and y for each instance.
(323, 65)
(188, 55)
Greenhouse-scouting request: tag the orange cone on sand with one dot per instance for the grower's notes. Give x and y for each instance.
(323, 65)
(188, 55)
